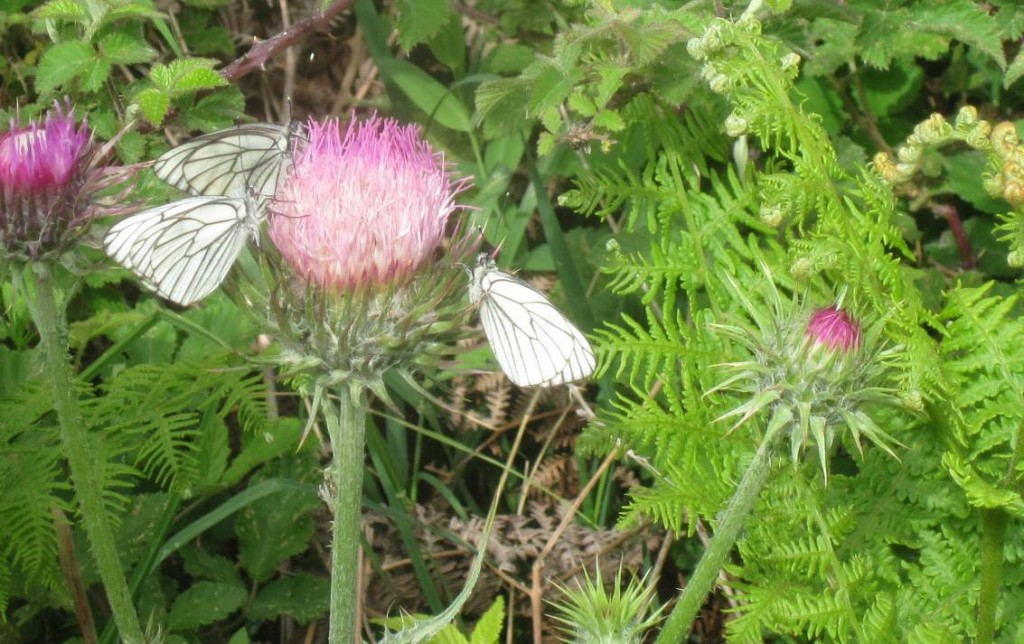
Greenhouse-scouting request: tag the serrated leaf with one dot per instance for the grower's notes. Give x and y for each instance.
(210, 567)
(488, 629)
(95, 75)
(216, 110)
(609, 120)
(125, 49)
(131, 147)
(964, 20)
(132, 10)
(303, 597)
(449, 45)
(434, 99)
(61, 63)
(62, 10)
(186, 75)
(153, 103)
(273, 529)
(204, 603)
(501, 106)
(420, 20)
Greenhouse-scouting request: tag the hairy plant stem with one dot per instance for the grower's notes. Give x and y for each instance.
(347, 429)
(993, 537)
(85, 465)
(729, 525)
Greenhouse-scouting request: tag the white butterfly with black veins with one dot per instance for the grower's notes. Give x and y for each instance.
(253, 156)
(183, 250)
(535, 344)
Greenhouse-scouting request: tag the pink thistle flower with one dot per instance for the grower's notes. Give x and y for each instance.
(43, 169)
(835, 329)
(363, 208)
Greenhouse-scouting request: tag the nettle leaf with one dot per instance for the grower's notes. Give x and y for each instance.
(154, 104)
(303, 597)
(132, 10)
(62, 63)
(204, 603)
(186, 76)
(215, 111)
(963, 20)
(204, 565)
(273, 529)
(420, 20)
(68, 10)
(125, 49)
(95, 74)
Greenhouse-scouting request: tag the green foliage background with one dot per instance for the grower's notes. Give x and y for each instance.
(647, 154)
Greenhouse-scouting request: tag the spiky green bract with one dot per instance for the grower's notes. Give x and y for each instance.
(811, 379)
(588, 613)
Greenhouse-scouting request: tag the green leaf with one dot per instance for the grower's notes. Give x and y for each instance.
(281, 439)
(488, 629)
(215, 111)
(434, 99)
(509, 58)
(204, 603)
(501, 106)
(186, 75)
(210, 567)
(964, 20)
(68, 10)
(273, 529)
(95, 75)
(420, 20)
(1015, 70)
(154, 104)
(125, 49)
(303, 597)
(61, 63)
(449, 45)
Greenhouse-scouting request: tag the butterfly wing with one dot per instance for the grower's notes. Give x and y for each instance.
(182, 250)
(535, 344)
(228, 162)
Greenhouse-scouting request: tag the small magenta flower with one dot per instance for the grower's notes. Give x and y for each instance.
(835, 329)
(43, 172)
(364, 207)
(815, 376)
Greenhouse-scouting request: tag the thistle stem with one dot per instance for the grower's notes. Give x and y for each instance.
(993, 536)
(347, 429)
(730, 524)
(85, 466)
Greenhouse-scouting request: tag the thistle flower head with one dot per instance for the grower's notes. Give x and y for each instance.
(364, 206)
(835, 329)
(816, 375)
(357, 280)
(43, 170)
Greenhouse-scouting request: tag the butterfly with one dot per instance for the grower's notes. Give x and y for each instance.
(253, 156)
(535, 344)
(183, 250)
